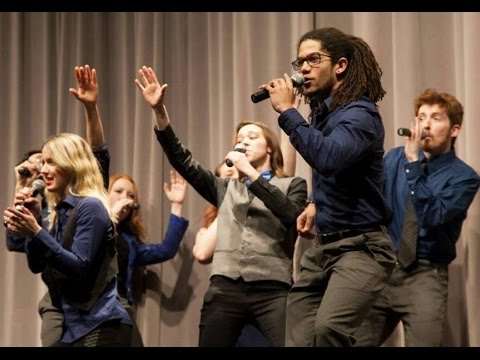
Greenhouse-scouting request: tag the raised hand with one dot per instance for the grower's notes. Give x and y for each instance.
(152, 90)
(87, 86)
(177, 189)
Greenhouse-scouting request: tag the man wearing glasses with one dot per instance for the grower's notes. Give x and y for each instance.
(343, 273)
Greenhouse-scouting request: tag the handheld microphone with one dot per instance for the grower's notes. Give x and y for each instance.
(38, 187)
(24, 171)
(240, 147)
(134, 206)
(297, 80)
(407, 132)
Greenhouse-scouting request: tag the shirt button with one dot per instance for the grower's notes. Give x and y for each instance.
(407, 171)
(249, 217)
(412, 192)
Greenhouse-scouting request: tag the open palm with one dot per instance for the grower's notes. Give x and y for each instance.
(152, 90)
(177, 189)
(87, 86)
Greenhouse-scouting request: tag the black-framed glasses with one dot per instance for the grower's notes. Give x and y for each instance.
(312, 60)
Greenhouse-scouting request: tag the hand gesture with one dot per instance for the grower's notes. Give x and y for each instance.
(152, 90)
(177, 189)
(87, 86)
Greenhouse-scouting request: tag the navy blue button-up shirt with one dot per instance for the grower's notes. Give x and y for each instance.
(441, 197)
(93, 228)
(147, 254)
(345, 150)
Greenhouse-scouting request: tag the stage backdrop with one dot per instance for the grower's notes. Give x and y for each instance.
(212, 62)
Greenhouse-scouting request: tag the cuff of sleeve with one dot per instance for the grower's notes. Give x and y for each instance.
(179, 218)
(413, 170)
(289, 120)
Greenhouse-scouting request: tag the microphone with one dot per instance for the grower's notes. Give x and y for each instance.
(38, 187)
(24, 171)
(240, 147)
(134, 206)
(407, 132)
(297, 80)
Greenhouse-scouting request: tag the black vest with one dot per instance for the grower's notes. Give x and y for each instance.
(82, 294)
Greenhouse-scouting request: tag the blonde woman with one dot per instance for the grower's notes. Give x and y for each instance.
(76, 254)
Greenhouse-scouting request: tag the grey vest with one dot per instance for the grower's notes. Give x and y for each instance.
(252, 242)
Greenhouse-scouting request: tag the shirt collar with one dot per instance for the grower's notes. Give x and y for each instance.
(438, 161)
(267, 175)
(69, 202)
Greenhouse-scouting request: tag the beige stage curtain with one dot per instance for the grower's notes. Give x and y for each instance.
(212, 63)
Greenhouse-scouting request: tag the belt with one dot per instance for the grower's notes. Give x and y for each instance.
(342, 234)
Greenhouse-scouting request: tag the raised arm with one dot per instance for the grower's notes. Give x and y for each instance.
(87, 93)
(157, 253)
(175, 192)
(154, 94)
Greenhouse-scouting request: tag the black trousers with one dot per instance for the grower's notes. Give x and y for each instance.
(231, 304)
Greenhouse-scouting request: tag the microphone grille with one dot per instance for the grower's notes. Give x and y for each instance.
(38, 187)
(240, 147)
(297, 79)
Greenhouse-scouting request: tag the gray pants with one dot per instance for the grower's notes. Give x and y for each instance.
(417, 298)
(337, 285)
(52, 321)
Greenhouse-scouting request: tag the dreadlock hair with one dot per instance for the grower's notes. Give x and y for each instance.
(449, 103)
(276, 157)
(362, 75)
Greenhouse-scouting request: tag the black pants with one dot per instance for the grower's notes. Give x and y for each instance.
(230, 304)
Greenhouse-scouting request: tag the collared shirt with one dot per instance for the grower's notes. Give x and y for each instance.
(441, 196)
(93, 227)
(147, 254)
(345, 150)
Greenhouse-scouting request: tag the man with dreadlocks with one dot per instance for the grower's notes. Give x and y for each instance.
(344, 272)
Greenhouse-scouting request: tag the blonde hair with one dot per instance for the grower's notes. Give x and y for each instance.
(74, 156)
